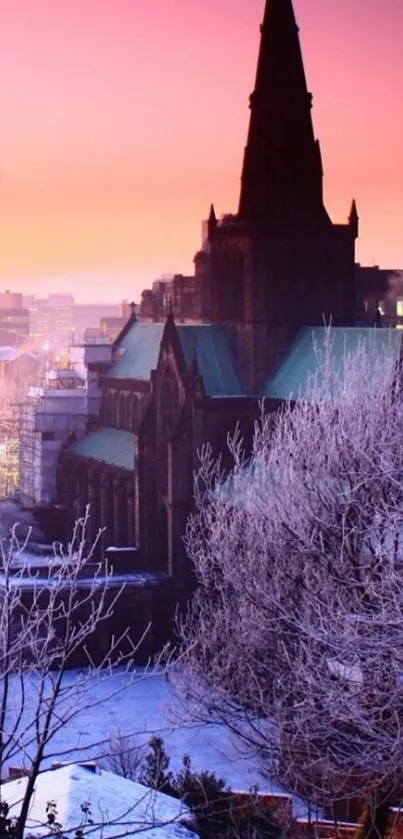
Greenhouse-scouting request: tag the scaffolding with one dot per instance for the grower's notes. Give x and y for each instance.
(53, 412)
(26, 435)
(9, 452)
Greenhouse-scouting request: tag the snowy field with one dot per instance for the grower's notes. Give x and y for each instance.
(145, 707)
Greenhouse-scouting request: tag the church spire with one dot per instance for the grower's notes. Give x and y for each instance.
(212, 221)
(282, 171)
(353, 217)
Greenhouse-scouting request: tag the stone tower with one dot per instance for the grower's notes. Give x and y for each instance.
(280, 262)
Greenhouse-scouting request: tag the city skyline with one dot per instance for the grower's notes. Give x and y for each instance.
(121, 123)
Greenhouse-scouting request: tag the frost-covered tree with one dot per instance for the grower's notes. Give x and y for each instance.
(294, 637)
(51, 611)
(125, 755)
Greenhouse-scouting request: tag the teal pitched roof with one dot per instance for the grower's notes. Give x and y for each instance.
(136, 354)
(292, 379)
(107, 445)
(211, 347)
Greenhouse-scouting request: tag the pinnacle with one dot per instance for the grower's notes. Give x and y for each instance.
(212, 215)
(353, 215)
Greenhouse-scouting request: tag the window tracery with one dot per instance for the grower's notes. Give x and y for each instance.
(167, 406)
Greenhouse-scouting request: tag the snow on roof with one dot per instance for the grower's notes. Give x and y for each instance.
(34, 580)
(121, 807)
(140, 704)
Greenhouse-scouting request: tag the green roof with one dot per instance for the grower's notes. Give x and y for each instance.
(107, 445)
(137, 352)
(212, 347)
(292, 379)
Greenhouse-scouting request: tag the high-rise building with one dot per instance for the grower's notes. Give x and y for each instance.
(11, 300)
(14, 319)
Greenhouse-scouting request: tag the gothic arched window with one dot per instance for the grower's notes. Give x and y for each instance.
(167, 405)
(112, 408)
(121, 418)
(135, 412)
(128, 412)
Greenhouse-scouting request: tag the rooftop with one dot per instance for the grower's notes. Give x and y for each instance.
(137, 351)
(212, 348)
(119, 807)
(293, 378)
(107, 445)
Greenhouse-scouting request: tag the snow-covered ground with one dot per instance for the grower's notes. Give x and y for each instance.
(146, 707)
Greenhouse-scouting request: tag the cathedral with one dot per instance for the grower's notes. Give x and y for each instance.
(265, 280)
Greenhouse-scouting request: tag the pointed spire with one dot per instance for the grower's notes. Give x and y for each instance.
(280, 65)
(353, 217)
(212, 220)
(282, 172)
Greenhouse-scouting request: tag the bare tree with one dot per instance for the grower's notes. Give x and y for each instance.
(54, 613)
(294, 638)
(125, 755)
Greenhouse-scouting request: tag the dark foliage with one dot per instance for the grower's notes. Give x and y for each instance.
(6, 823)
(155, 772)
(220, 813)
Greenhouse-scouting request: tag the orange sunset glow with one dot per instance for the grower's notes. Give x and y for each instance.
(122, 120)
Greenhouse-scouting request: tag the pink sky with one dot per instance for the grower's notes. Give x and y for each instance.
(121, 120)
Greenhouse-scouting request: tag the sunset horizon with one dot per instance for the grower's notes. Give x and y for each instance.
(121, 125)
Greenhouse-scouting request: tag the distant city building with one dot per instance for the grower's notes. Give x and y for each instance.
(379, 289)
(181, 294)
(154, 305)
(149, 309)
(57, 320)
(61, 301)
(14, 319)
(11, 300)
(18, 369)
(89, 315)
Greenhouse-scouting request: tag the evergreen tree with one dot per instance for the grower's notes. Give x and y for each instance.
(156, 772)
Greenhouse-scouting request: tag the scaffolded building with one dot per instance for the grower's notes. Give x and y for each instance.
(55, 413)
